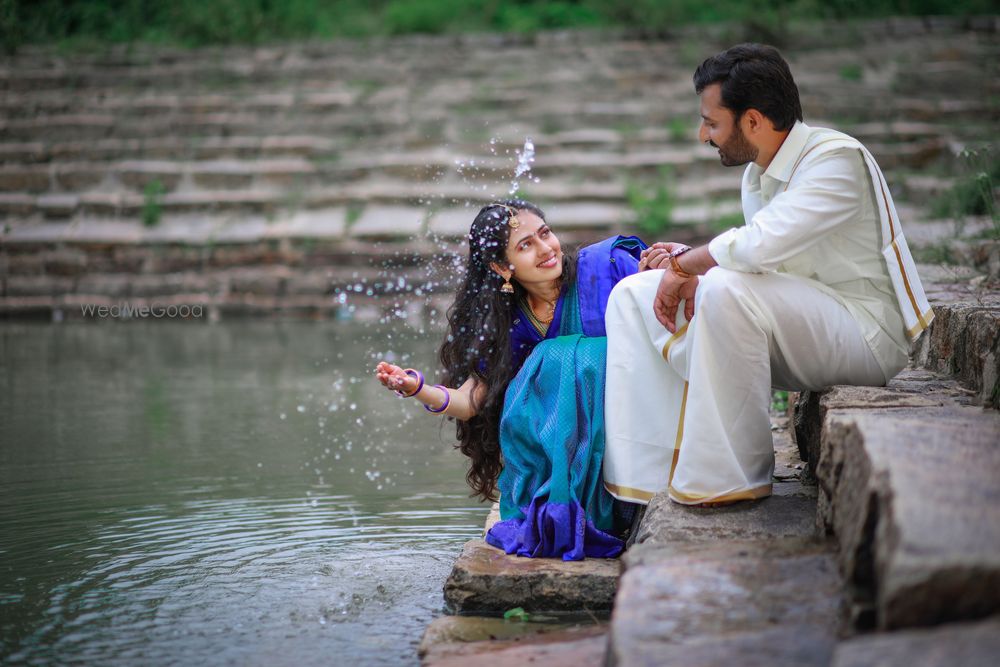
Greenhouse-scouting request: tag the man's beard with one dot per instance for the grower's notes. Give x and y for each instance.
(737, 151)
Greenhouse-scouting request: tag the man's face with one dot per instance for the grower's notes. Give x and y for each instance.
(720, 129)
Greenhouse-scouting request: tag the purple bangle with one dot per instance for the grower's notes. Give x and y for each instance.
(420, 383)
(447, 400)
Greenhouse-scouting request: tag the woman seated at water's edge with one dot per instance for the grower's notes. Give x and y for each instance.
(526, 350)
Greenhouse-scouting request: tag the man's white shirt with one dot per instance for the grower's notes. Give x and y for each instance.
(810, 219)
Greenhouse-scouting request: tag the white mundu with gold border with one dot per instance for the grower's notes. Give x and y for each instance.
(817, 288)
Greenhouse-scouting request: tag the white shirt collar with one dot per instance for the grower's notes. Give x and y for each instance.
(784, 160)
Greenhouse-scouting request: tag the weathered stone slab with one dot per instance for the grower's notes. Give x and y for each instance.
(449, 634)
(912, 495)
(912, 388)
(584, 647)
(33, 178)
(57, 205)
(29, 286)
(486, 580)
(48, 232)
(955, 645)
(389, 222)
(453, 222)
(775, 602)
(964, 341)
(789, 512)
(315, 224)
(105, 231)
(492, 517)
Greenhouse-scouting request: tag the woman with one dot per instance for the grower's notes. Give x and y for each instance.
(526, 350)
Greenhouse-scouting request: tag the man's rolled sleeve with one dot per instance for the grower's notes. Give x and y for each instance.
(721, 250)
(824, 196)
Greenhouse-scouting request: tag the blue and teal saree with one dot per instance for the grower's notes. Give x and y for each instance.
(552, 499)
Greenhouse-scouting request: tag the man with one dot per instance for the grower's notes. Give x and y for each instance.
(817, 288)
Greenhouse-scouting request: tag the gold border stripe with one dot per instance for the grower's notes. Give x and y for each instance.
(680, 435)
(924, 322)
(629, 492)
(673, 339)
(895, 249)
(724, 499)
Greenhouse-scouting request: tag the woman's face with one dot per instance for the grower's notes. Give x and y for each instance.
(533, 251)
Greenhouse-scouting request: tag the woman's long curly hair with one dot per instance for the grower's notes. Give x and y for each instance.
(478, 341)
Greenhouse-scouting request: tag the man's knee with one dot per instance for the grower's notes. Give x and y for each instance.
(719, 288)
(624, 293)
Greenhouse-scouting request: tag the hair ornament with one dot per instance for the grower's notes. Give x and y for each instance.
(512, 220)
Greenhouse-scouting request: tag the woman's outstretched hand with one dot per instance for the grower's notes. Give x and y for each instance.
(657, 256)
(393, 377)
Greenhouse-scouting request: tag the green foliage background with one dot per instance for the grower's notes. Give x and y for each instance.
(202, 22)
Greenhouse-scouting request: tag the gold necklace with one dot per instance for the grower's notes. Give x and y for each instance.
(541, 326)
(552, 310)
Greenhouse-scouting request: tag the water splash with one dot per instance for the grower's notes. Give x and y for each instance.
(525, 157)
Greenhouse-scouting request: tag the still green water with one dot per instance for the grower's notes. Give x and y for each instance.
(239, 493)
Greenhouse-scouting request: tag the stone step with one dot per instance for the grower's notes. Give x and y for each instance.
(393, 128)
(964, 342)
(135, 175)
(24, 105)
(272, 202)
(692, 172)
(747, 583)
(414, 166)
(171, 148)
(389, 59)
(505, 138)
(789, 513)
(485, 580)
(956, 644)
(566, 103)
(760, 602)
(581, 647)
(907, 478)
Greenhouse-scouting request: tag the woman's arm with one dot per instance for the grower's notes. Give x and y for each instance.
(460, 404)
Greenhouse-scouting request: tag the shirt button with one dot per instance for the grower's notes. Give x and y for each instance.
(612, 260)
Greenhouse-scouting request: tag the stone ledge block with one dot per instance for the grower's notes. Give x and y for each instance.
(485, 580)
(777, 602)
(964, 341)
(790, 512)
(911, 388)
(912, 496)
(956, 645)
(449, 635)
(584, 647)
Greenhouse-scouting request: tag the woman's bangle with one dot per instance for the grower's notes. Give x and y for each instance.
(420, 383)
(447, 400)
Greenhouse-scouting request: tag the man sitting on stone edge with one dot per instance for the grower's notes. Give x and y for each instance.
(817, 288)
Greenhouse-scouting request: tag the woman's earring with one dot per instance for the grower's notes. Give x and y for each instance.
(507, 288)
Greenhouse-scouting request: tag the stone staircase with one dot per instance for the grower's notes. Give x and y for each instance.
(880, 545)
(285, 178)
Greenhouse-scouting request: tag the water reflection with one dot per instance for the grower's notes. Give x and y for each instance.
(156, 508)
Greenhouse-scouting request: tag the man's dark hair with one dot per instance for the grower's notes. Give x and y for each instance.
(753, 76)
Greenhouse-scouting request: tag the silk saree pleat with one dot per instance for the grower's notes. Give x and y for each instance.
(552, 498)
